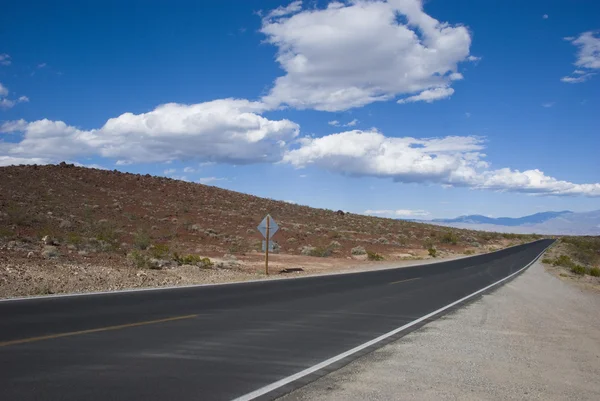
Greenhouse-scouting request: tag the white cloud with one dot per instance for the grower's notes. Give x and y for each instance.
(350, 55)
(225, 130)
(189, 170)
(429, 95)
(334, 123)
(5, 102)
(577, 80)
(15, 161)
(5, 59)
(351, 123)
(450, 161)
(42, 65)
(398, 213)
(545, 16)
(548, 104)
(281, 11)
(169, 171)
(208, 180)
(123, 162)
(474, 58)
(588, 57)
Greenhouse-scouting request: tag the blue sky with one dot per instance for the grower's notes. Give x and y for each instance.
(398, 108)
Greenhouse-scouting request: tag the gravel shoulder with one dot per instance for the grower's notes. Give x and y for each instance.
(535, 338)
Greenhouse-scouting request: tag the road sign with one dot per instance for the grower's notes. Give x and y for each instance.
(271, 246)
(273, 227)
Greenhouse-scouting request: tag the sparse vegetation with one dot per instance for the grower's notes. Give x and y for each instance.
(432, 252)
(141, 240)
(578, 269)
(374, 256)
(160, 251)
(449, 238)
(595, 271)
(359, 250)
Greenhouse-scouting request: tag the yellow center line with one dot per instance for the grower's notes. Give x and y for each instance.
(75, 333)
(404, 281)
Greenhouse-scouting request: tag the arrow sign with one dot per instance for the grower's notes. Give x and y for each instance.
(273, 227)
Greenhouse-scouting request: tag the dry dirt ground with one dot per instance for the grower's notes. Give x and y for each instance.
(107, 230)
(535, 338)
(22, 277)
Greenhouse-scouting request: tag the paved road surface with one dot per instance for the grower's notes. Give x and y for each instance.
(220, 342)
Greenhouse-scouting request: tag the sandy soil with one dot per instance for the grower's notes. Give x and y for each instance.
(536, 338)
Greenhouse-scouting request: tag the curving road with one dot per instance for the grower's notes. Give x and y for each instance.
(226, 341)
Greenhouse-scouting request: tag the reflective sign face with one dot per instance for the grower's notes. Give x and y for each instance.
(273, 227)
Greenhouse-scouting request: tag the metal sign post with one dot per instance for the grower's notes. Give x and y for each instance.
(268, 227)
(267, 247)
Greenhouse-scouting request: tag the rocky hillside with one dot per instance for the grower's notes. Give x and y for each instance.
(65, 214)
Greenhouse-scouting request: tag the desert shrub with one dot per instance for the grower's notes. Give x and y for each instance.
(106, 232)
(317, 251)
(432, 252)
(74, 239)
(547, 261)
(334, 244)
(374, 256)
(564, 261)
(159, 251)
(595, 271)
(577, 269)
(141, 240)
(138, 259)
(449, 238)
(196, 260)
(469, 252)
(358, 250)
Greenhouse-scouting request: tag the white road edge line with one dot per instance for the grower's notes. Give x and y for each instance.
(280, 383)
(264, 280)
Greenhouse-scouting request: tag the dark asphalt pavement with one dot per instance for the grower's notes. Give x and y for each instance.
(227, 340)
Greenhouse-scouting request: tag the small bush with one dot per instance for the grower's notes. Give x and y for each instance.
(74, 239)
(374, 256)
(449, 238)
(138, 259)
(160, 251)
(547, 261)
(319, 252)
(359, 250)
(432, 252)
(564, 261)
(577, 269)
(469, 252)
(595, 271)
(106, 232)
(204, 263)
(141, 240)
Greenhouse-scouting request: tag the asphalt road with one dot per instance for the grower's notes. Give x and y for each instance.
(220, 342)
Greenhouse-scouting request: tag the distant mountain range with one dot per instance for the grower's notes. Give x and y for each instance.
(559, 223)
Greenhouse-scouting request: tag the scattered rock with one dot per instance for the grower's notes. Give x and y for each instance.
(359, 250)
(291, 270)
(340, 213)
(50, 251)
(65, 224)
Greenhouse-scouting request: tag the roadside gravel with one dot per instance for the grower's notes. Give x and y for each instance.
(535, 338)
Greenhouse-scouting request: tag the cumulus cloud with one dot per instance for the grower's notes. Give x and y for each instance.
(429, 95)
(225, 130)
(545, 16)
(588, 57)
(334, 123)
(5, 102)
(450, 161)
(189, 170)
(350, 55)
(5, 59)
(351, 123)
(398, 213)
